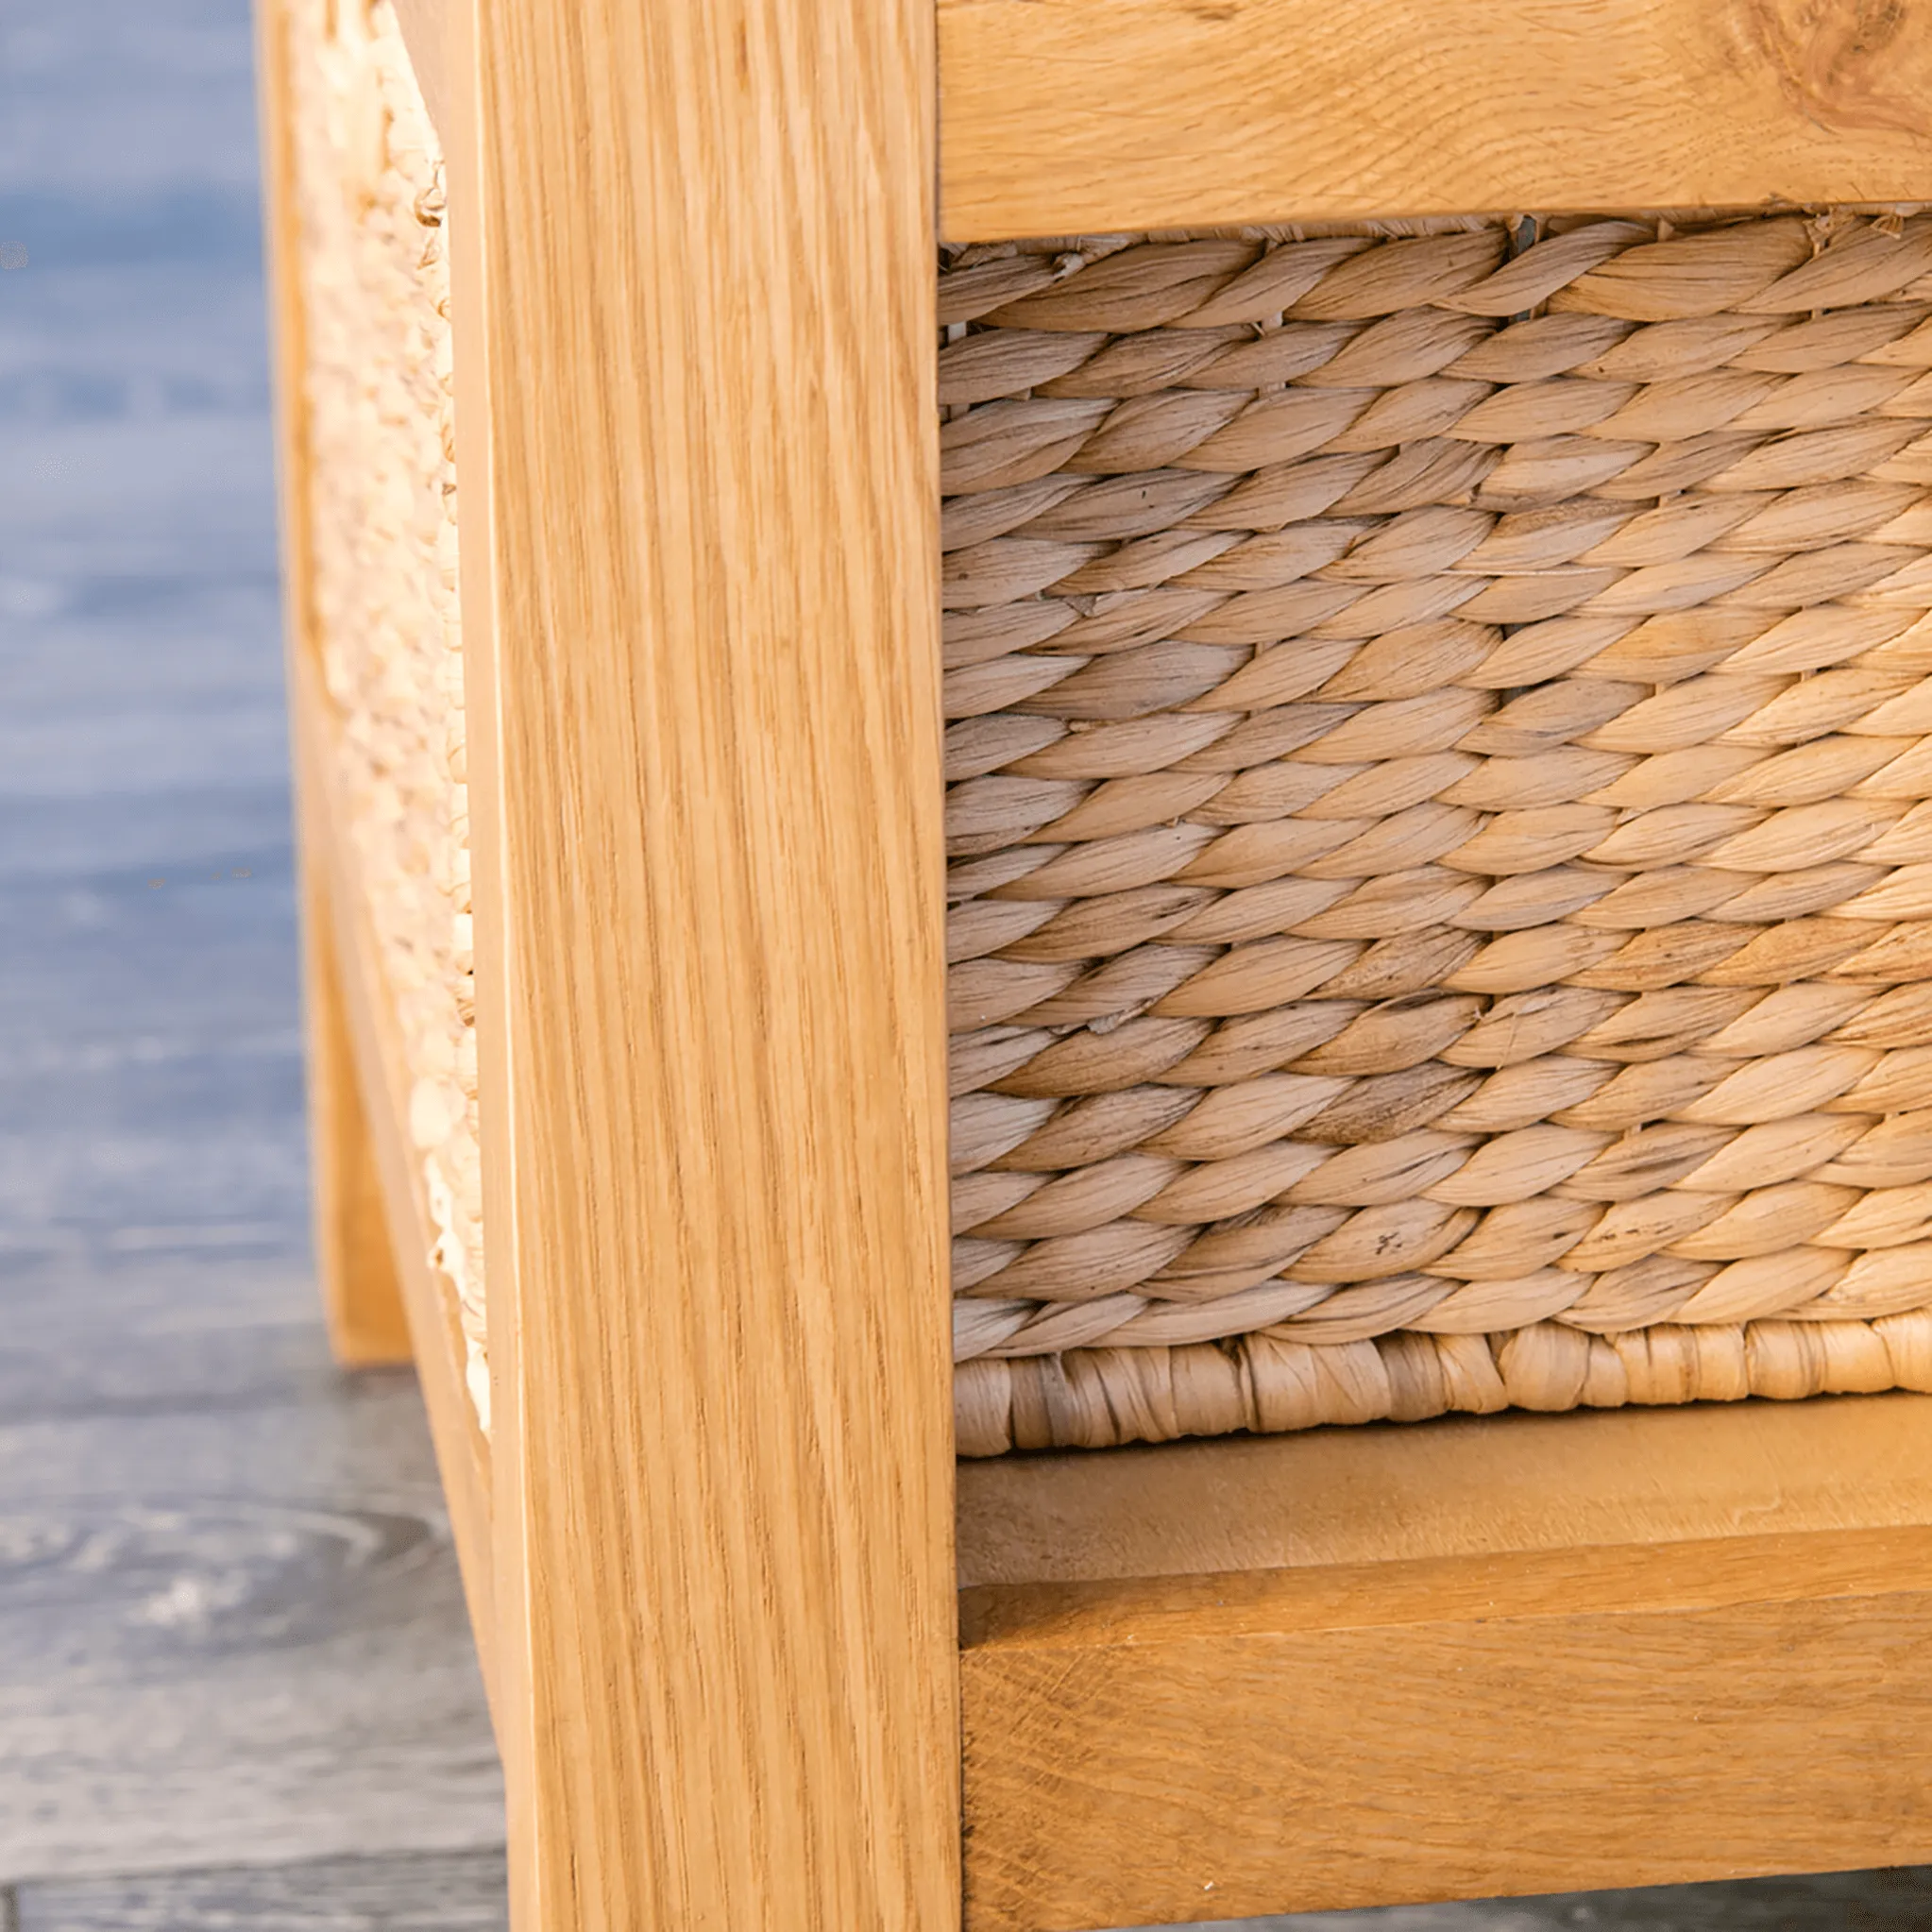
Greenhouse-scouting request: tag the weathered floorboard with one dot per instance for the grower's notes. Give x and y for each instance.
(233, 1636)
(1897, 1899)
(424, 1891)
(230, 1626)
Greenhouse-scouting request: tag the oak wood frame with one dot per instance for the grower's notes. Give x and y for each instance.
(1093, 116)
(709, 1551)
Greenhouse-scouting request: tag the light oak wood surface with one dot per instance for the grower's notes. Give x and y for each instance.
(355, 1262)
(1362, 1666)
(694, 287)
(1468, 1486)
(1149, 1750)
(1092, 116)
(360, 1293)
(693, 310)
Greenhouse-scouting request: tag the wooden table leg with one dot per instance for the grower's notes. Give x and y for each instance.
(354, 1260)
(361, 1292)
(697, 461)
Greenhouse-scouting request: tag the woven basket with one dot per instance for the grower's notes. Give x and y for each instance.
(381, 527)
(1437, 796)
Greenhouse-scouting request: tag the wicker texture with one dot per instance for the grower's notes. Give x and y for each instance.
(1438, 793)
(383, 502)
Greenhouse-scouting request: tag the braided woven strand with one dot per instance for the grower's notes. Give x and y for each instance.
(1438, 793)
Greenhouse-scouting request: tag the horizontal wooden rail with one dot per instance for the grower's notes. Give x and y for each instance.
(1505, 1655)
(1464, 1486)
(1063, 117)
(1142, 1752)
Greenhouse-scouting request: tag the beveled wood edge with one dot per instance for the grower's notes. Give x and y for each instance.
(1554, 1586)
(462, 1452)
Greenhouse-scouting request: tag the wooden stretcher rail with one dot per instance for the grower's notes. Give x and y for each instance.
(1456, 1727)
(1502, 1485)
(1508, 1655)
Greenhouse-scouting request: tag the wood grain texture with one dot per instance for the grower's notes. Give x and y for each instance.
(355, 1261)
(1095, 116)
(1498, 1485)
(360, 1293)
(427, 1892)
(462, 1453)
(701, 671)
(1146, 1751)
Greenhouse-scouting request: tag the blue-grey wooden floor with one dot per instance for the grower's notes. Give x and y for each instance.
(236, 1689)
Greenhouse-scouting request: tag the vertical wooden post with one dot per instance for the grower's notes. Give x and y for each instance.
(361, 1292)
(694, 309)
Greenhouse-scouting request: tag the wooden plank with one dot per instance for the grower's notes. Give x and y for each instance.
(1462, 1487)
(694, 313)
(1090, 116)
(1148, 1751)
(462, 1452)
(360, 1290)
(424, 1891)
(362, 1294)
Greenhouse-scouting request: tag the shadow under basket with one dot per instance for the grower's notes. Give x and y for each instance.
(1439, 803)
